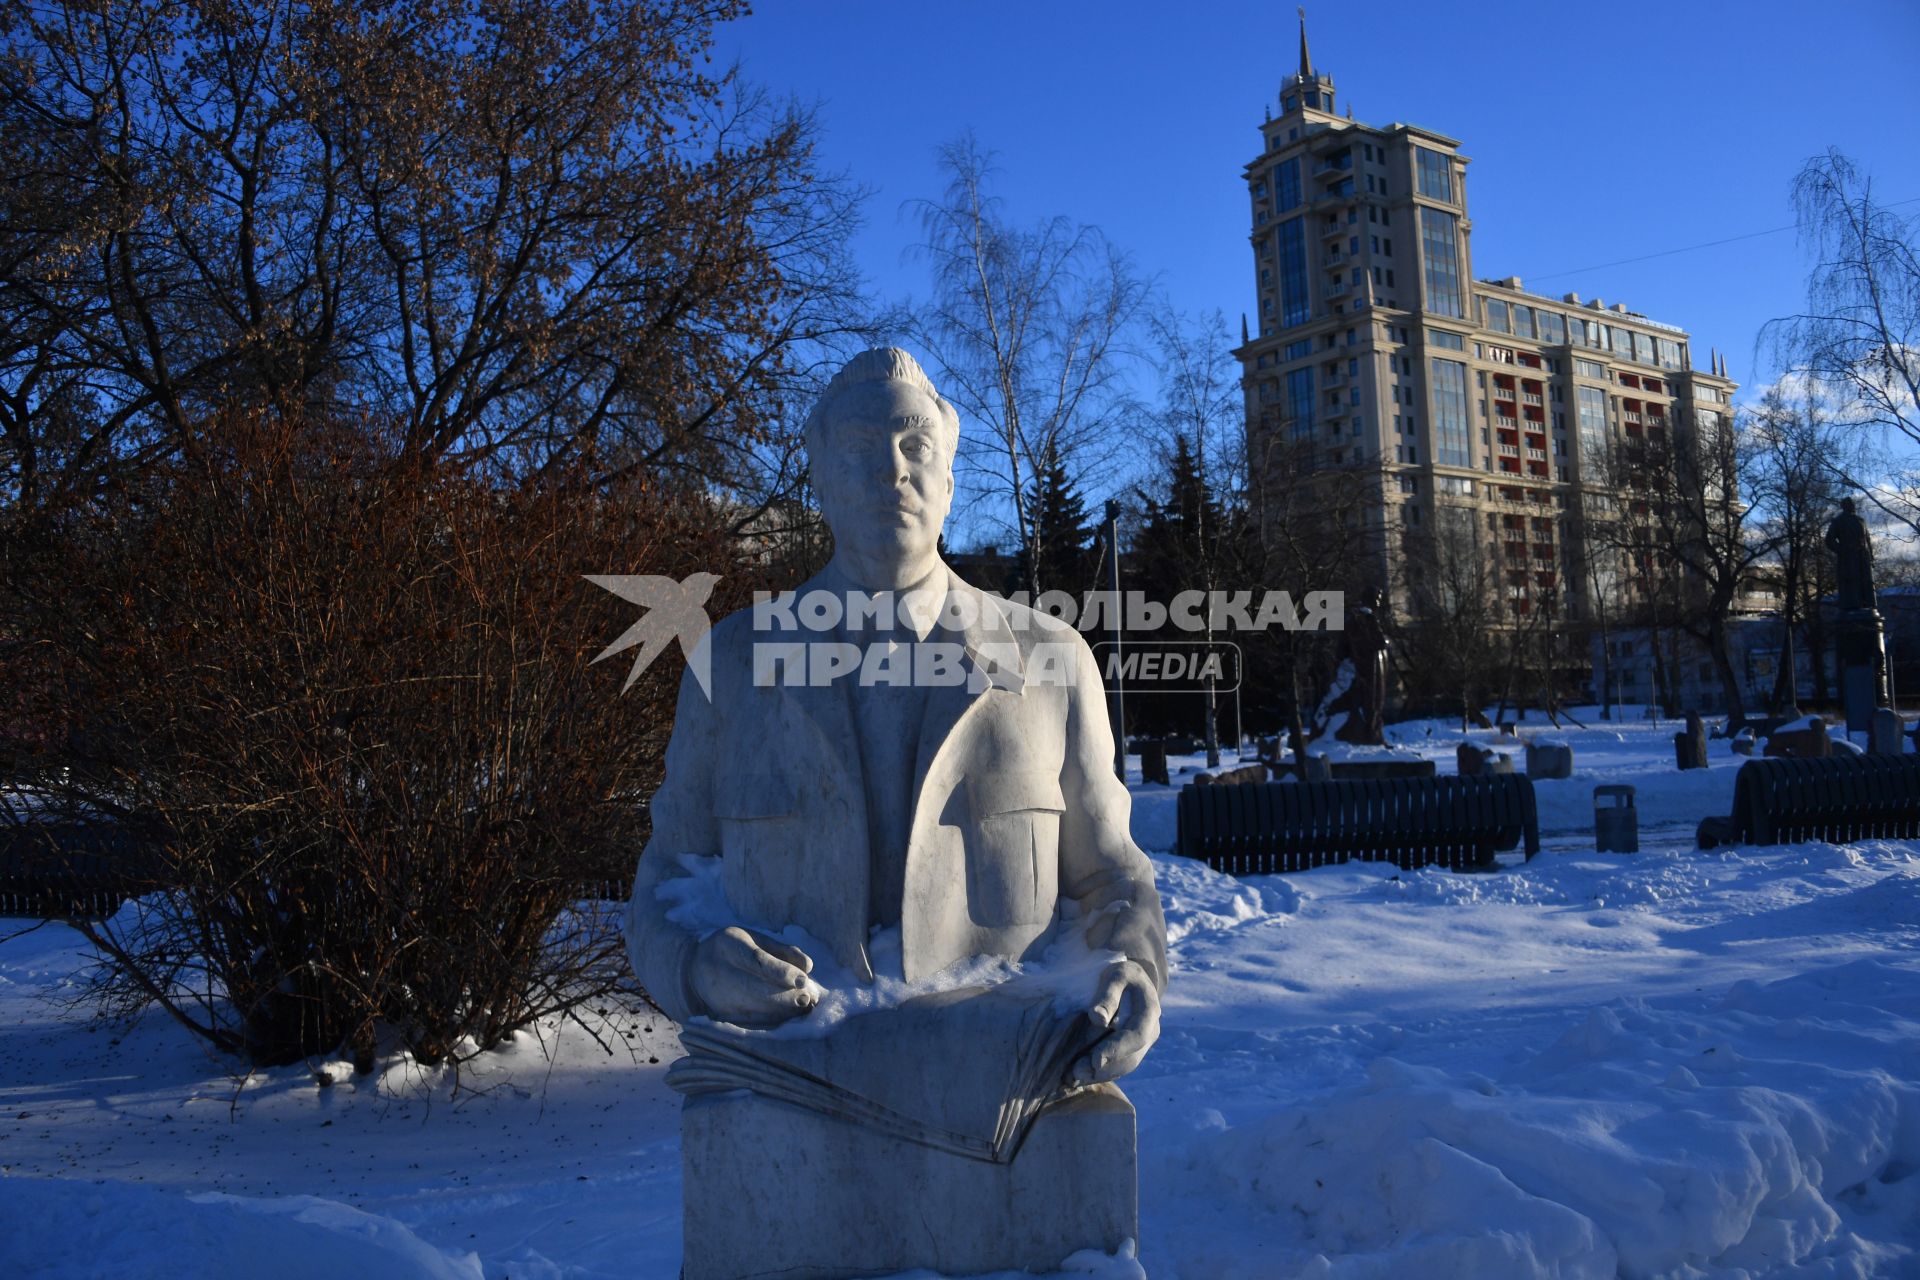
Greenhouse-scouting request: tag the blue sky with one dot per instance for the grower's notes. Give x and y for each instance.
(1597, 133)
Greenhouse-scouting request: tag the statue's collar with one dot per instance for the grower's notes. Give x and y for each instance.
(968, 616)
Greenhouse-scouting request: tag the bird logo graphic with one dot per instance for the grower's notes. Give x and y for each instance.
(675, 610)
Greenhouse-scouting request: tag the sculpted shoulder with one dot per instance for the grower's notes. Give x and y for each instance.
(1046, 643)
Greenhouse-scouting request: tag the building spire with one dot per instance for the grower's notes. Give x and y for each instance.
(1306, 62)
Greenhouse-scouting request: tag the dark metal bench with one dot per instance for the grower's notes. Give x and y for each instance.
(1264, 827)
(1835, 798)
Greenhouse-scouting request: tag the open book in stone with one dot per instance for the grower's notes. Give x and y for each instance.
(964, 1071)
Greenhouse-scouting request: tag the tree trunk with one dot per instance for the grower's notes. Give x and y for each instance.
(1723, 666)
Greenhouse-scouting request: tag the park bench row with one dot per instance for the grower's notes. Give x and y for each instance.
(1834, 798)
(1263, 827)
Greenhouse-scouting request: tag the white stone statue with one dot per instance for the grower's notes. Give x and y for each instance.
(915, 784)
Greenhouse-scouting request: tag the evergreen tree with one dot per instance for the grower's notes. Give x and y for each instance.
(1180, 539)
(1061, 536)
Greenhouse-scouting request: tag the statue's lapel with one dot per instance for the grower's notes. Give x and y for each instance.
(990, 661)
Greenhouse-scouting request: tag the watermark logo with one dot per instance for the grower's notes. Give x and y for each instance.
(1170, 666)
(675, 611)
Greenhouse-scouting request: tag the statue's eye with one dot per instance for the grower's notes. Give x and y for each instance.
(914, 447)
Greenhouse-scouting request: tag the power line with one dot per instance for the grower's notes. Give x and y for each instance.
(1692, 248)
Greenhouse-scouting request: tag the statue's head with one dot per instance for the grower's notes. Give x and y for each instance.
(1372, 598)
(1846, 505)
(881, 443)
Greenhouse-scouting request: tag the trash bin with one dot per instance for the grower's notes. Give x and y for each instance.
(1616, 823)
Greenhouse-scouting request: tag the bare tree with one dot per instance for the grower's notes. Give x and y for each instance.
(1200, 403)
(1690, 529)
(538, 235)
(1028, 326)
(1454, 599)
(1317, 526)
(1858, 341)
(1796, 479)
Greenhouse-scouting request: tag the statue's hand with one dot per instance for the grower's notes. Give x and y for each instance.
(1127, 1004)
(744, 977)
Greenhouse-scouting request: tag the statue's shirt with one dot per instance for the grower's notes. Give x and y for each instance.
(887, 719)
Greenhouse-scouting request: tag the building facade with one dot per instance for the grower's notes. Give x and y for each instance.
(1481, 414)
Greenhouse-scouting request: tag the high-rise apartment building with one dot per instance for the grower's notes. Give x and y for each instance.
(1473, 403)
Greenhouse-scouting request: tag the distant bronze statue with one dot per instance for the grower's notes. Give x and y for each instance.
(1852, 547)
(1354, 709)
(1367, 648)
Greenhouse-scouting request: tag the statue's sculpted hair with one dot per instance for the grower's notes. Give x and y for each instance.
(882, 364)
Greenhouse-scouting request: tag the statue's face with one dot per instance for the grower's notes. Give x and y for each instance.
(886, 480)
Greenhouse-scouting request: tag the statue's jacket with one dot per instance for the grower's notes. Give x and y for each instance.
(1015, 805)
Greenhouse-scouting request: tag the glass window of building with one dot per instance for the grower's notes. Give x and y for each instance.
(1498, 318)
(1623, 343)
(1441, 338)
(1669, 353)
(1295, 305)
(1590, 369)
(1286, 184)
(1300, 402)
(1440, 245)
(1522, 321)
(1643, 348)
(1451, 439)
(1593, 429)
(1300, 349)
(1553, 326)
(1436, 175)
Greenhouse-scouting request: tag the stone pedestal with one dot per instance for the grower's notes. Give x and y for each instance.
(1888, 733)
(1153, 761)
(1549, 760)
(1861, 641)
(1810, 743)
(1690, 745)
(772, 1190)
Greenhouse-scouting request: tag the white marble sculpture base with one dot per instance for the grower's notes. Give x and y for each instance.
(775, 1191)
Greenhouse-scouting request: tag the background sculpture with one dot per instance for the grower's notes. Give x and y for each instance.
(1354, 707)
(1852, 548)
(1861, 634)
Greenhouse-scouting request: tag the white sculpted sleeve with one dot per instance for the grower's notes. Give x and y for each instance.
(1100, 866)
(682, 813)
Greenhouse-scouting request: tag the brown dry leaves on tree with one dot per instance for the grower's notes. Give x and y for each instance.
(352, 711)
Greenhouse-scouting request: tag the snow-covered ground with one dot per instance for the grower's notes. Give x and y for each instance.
(1665, 1064)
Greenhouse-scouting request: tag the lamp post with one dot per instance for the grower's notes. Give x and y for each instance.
(1116, 696)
